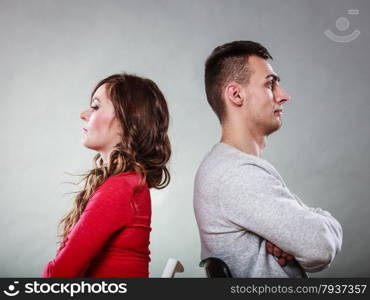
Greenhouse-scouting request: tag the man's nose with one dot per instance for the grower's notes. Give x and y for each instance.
(282, 96)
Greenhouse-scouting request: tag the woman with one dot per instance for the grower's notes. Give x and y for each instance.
(106, 234)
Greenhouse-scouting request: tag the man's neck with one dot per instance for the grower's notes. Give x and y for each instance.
(244, 140)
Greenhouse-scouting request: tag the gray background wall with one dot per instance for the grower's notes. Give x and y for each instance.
(53, 52)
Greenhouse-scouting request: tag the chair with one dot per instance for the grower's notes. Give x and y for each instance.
(172, 266)
(215, 267)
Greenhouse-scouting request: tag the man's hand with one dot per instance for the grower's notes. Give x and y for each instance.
(283, 257)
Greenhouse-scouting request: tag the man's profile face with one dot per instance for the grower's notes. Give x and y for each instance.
(264, 97)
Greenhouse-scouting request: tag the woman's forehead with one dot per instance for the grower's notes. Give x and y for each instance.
(100, 94)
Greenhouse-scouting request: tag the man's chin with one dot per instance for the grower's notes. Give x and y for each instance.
(273, 127)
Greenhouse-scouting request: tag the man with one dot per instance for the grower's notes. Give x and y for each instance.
(245, 213)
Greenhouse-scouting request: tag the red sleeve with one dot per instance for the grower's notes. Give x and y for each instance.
(107, 211)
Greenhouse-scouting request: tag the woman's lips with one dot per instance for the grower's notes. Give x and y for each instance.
(84, 129)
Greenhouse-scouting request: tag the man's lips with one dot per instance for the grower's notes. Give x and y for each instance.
(278, 112)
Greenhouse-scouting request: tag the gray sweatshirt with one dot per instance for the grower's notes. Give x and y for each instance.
(241, 201)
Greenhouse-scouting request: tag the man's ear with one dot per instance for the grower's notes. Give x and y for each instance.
(233, 94)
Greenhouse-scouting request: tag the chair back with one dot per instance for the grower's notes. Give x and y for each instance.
(172, 267)
(215, 267)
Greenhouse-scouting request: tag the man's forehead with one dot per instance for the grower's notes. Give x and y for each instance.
(260, 67)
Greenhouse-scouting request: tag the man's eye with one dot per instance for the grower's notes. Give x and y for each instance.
(271, 84)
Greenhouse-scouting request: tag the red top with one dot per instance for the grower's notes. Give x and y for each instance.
(110, 239)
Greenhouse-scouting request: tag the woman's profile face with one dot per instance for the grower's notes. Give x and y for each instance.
(101, 130)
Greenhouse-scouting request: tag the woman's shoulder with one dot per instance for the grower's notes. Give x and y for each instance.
(122, 181)
(118, 187)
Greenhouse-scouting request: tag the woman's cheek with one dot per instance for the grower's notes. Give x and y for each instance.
(97, 122)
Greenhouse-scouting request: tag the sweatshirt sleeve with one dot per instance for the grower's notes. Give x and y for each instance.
(259, 202)
(107, 211)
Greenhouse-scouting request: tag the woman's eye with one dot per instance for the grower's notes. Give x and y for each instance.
(94, 107)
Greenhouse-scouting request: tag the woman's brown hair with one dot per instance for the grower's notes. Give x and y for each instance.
(142, 111)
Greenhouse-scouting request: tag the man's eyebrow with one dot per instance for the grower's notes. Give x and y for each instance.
(273, 76)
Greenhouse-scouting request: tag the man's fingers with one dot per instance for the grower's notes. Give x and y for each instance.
(269, 247)
(277, 251)
(283, 257)
(282, 261)
(289, 257)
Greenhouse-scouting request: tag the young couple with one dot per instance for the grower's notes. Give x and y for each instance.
(245, 213)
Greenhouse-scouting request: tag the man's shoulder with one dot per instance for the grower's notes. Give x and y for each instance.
(216, 161)
(222, 157)
(224, 161)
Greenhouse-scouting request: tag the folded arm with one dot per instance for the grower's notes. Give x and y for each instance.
(259, 202)
(106, 212)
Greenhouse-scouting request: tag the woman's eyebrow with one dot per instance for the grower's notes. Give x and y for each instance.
(96, 99)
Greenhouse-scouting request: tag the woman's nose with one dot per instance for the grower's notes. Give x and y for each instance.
(83, 116)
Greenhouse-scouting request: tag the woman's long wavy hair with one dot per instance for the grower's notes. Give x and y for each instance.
(145, 148)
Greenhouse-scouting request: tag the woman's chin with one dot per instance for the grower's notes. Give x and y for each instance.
(90, 147)
(86, 144)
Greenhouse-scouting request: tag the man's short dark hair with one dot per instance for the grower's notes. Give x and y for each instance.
(226, 63)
